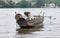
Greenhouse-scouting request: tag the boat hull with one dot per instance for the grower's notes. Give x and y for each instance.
(33, 23)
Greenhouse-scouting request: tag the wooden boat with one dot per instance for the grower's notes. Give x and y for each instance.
(37, 21)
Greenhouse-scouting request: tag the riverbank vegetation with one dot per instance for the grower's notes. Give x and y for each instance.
(28, 4)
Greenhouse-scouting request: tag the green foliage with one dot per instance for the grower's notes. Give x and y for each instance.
(48, 1)
(24, 4)
(2, 4)
(40, 3)
(11, 4)
(57, 2)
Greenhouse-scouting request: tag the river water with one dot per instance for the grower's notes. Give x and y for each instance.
(49, 31)
(51, 27)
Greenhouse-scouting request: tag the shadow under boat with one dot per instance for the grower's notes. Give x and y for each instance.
(29, 30)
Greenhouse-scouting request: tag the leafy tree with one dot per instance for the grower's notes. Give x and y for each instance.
(11, 4)
(2, 4)
(39, 3)
(24, 4)
(48, 1)
(57, 2)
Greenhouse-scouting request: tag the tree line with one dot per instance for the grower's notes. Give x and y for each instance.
(26, 4)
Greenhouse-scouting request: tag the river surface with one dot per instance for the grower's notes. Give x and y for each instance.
(49, 31)
(51, 27)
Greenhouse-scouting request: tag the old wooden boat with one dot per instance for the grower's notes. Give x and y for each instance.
(37, 21)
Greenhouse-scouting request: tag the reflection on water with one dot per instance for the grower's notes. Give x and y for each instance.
(29, 30)
(49, 31)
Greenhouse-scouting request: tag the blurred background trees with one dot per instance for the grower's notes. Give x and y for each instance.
(24, 4)
(39, 3)
(11, 4)
(57, 2)
(28, 4)
(2, 4)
